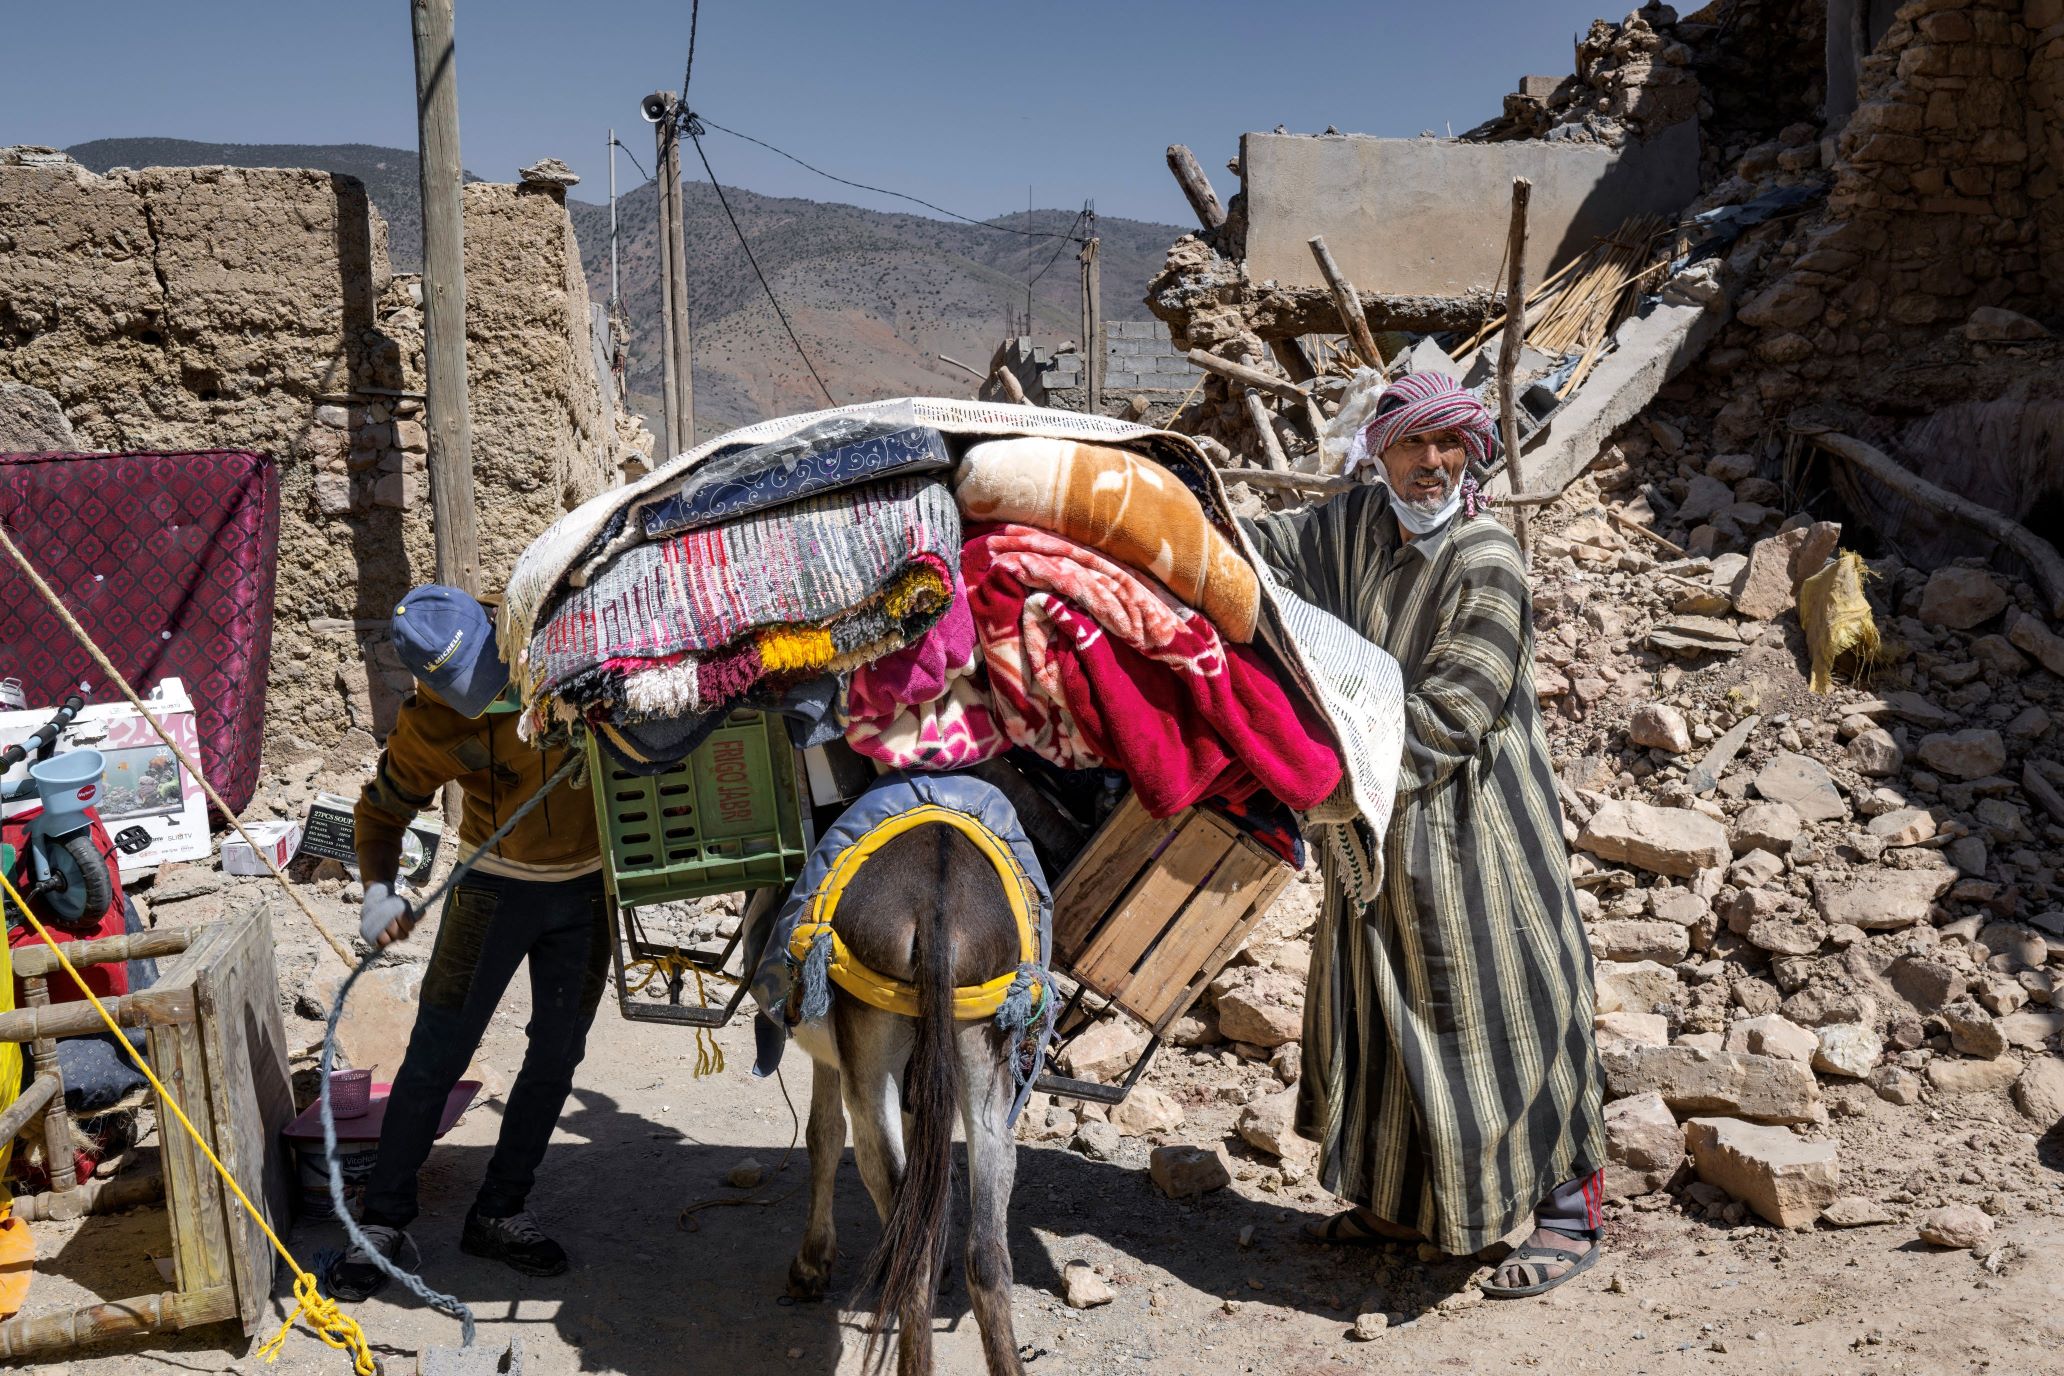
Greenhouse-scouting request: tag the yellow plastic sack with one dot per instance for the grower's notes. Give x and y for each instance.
(1837, 617)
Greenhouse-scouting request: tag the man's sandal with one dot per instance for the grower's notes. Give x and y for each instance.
(1538, 1263)
(1346, 1229)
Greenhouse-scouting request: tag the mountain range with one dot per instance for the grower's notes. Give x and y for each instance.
(874, 296)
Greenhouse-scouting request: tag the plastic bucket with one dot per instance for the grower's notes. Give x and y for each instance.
(68, 784)
(355, 1159)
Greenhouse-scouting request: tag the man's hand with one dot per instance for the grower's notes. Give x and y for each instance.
(386, 918)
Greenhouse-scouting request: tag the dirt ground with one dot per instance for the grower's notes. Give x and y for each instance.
(1223, 1284)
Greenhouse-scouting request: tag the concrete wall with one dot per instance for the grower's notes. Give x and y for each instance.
(1429, 216)
(198, 308)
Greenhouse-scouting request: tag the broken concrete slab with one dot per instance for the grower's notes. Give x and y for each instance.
(1649, 350)
(1784, 1179)
(1695, 1079)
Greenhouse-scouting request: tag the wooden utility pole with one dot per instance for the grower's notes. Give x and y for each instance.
(676, 366)
(453, 515)
(1508, 357)
(1092, 319)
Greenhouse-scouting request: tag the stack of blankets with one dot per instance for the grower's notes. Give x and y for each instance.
(1067, 599)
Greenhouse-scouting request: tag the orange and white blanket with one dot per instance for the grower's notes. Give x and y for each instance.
(1129, 508)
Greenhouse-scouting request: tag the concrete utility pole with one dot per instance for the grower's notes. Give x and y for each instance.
(1092, 319)
(453, 514)
(615, 288)
(677, 369)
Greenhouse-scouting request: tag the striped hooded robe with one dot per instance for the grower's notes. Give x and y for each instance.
(1450, 1074)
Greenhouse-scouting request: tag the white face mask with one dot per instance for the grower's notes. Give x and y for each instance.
(1419, 520)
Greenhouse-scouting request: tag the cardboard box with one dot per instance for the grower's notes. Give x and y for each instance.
(144, 784)
(278, 842)
(329, 833)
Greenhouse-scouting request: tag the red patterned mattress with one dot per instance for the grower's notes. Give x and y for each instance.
(168, 561)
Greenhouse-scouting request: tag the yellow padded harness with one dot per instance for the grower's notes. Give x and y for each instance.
(894, 995)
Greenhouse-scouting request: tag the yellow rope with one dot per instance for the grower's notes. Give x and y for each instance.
(709, 1056)
(107, 667)
(329, 1323)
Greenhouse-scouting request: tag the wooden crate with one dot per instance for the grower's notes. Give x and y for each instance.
(216, 1040)
(1151, 911)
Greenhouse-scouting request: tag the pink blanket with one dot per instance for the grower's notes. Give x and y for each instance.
(926, 706)
(1091, 663)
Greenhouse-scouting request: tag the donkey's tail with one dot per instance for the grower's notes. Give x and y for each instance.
(904, 1271)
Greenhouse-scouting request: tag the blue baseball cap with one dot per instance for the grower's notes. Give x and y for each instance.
(447, 640)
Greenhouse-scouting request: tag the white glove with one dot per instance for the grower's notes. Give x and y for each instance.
(386, 916)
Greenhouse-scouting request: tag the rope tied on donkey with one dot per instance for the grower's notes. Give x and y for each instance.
(799, 957)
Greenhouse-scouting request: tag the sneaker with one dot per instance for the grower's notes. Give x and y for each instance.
(516, 1239)
(355, 1277)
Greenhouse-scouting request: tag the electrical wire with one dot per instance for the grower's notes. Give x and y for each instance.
(634, 159)
(884, 191)
(1067, 239)
(694, 15)
(692, 129)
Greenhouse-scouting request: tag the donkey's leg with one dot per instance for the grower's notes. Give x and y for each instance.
(986, 1093)
(811, 1269)
(873, 1049)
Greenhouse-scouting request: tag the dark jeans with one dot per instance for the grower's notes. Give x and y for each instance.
(490, 925)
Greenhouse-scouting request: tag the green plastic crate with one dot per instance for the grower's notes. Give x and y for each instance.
(727, 818)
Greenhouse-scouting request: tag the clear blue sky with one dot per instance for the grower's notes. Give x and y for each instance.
(965, 103)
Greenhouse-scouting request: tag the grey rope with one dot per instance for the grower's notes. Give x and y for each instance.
(413, 1283)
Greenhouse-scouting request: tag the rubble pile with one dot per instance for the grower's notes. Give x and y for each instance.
(1815, 917)
(1631, 78)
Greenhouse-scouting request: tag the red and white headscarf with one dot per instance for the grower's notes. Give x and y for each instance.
(1419, 404)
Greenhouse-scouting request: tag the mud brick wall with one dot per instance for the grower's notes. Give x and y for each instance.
(199, 308)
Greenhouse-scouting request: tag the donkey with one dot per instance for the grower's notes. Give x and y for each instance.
(927, 909)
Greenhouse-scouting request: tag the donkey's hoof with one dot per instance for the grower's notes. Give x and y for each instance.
(806, 1282)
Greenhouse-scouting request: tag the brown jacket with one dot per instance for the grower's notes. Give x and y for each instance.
(432, 745)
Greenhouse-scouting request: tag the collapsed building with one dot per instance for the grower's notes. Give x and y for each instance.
(1790, 416)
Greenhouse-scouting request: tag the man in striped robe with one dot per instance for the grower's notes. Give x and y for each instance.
(1450, 1073)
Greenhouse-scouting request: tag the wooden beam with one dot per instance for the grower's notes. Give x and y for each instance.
(1265, 432)
(455, 517)
(1318, 484)
(26, 1105)
(92, 1197)
(1247, 374)
(971, 372)
(1508, 357)
(28, 1335)
(1196, 187)
(1012, 388)
(142, 1009)
(1093, 345)
(2041, 556)
(1350, 306)
(1291, 355)
(1625, 523)
(32, 961)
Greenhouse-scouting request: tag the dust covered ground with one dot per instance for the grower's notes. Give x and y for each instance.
(1221, 1284)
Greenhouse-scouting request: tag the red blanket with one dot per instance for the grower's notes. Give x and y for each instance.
(1091, 663)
